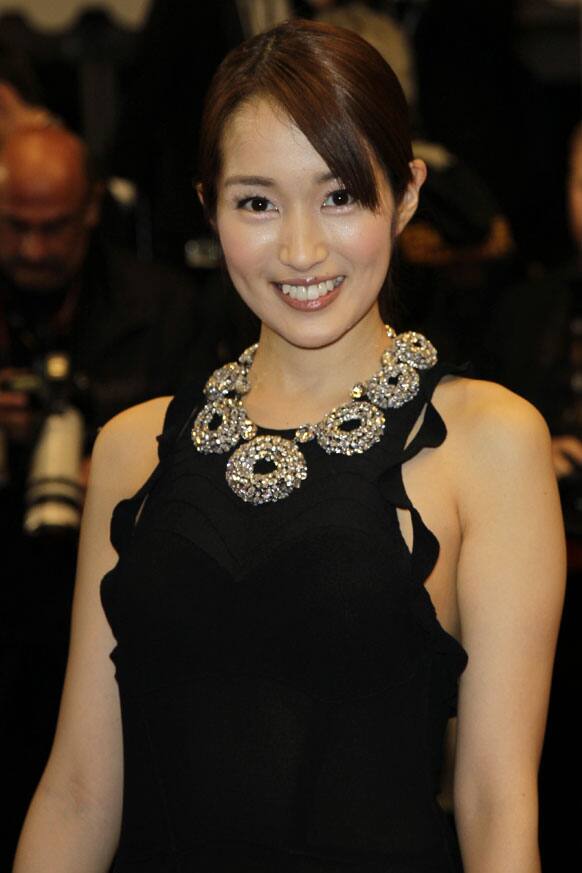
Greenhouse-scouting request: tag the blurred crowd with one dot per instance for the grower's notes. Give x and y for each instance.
(112, 291)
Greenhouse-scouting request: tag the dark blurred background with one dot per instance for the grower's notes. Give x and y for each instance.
(489, 262)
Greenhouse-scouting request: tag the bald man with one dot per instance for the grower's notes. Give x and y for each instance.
(132, 330)
(48, 209)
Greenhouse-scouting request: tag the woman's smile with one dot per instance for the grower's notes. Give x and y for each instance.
(302, 252)
(310, 294)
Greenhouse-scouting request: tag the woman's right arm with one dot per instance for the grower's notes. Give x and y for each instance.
(73, 822)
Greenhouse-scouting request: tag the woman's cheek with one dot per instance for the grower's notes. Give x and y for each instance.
(366, 239)
(244, 244)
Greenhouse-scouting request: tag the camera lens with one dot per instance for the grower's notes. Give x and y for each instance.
(53, 494)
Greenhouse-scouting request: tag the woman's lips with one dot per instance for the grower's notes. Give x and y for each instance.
(310, 295)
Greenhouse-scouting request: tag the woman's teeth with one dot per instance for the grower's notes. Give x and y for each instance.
(311, 292)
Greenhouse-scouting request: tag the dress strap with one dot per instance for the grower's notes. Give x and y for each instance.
(431, 434)
(394, 449)
(179, 413)
(425, 546)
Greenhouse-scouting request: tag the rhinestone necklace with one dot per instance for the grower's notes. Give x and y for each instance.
(349, 429)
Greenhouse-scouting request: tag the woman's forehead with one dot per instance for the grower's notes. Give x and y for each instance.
(260, 135)
(261, 140)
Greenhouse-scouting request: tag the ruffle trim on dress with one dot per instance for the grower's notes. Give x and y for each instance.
(453, 656)
(179, 414)
(121, 528)
(425, 547)
(125, 513)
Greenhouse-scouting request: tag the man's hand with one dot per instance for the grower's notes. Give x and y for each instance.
(566, 454)
(17, 419)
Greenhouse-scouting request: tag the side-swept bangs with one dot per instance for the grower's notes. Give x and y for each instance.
(335, 87)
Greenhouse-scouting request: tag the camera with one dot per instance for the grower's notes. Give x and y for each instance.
(53, 494)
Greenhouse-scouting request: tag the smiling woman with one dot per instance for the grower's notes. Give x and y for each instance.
(296, 239)
(344, 98)
(344, 542)
(341, 110)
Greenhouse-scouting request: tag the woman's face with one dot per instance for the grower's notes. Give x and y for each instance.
(305, 257)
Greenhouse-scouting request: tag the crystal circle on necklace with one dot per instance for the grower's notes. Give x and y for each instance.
(334, 437)
(394, 385)
(223, 380)
(290, 469)
(415, 349)
(229, 419)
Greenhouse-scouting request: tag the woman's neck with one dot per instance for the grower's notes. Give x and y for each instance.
(292, 385)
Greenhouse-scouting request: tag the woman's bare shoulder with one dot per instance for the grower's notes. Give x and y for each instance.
(498, 452)
(490, 420)
(126, 449)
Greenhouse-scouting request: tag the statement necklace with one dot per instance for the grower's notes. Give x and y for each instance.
(349, 429)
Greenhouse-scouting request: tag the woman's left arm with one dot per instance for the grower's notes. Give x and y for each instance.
(510, 591)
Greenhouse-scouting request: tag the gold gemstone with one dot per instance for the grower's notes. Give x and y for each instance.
(305, 433)
(248, 429)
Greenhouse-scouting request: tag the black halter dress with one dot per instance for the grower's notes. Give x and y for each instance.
(284, 681)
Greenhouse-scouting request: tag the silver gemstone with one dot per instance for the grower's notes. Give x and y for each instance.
(242, 384)
(334, 438)
(223, 381)
(394, 385)
(248, 429)
(415, 349)
(246, 358)
(257, 488)
(305, 433)
(349, 429)
(388, 358)
(226, 435)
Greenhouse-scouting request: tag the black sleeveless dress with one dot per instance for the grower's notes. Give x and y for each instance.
(284, 681)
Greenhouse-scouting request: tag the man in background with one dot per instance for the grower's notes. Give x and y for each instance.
(123, 331)
(132, 330)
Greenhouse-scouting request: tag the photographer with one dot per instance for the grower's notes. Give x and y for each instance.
(87, 329)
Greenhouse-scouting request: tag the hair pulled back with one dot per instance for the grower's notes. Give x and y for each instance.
(336, 88)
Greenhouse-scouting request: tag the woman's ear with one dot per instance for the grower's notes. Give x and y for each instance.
(409, 202)
(200, 192)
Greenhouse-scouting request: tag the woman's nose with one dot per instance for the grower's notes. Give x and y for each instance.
(302, 243)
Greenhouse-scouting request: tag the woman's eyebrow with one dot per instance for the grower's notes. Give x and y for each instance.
(266, 182)
(327, 177)
(249, 180)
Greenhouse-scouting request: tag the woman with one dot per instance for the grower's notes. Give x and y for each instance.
(303, 575)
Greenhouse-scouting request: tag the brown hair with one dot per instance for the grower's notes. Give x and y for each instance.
(337, 89)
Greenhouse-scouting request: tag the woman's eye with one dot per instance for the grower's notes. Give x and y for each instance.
(255, 204)
(341, 197)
